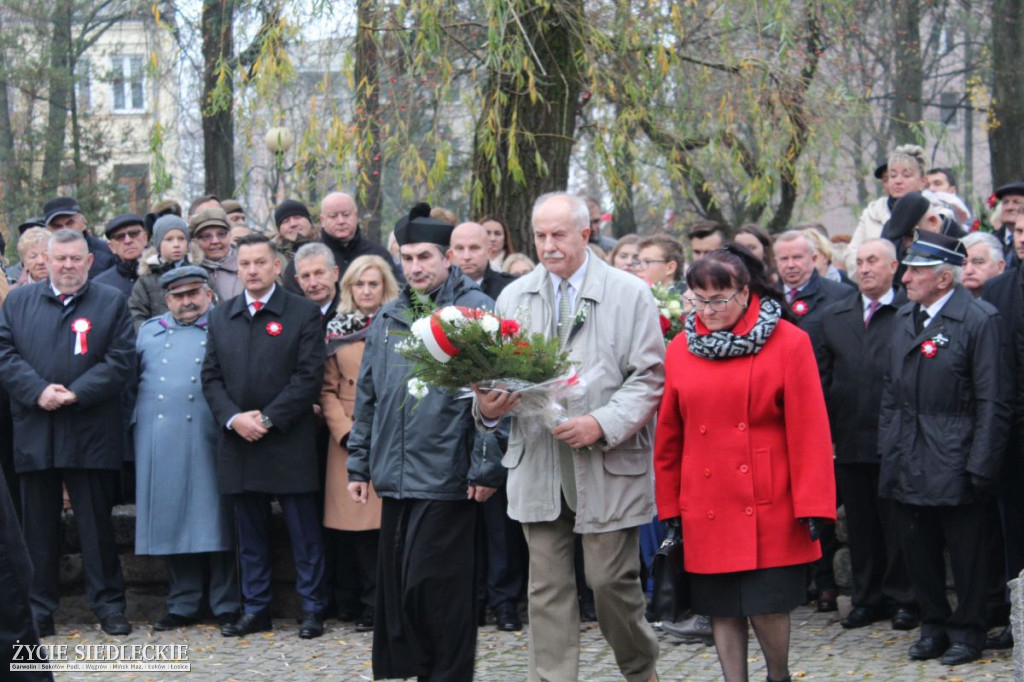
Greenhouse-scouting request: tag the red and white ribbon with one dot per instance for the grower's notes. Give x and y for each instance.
(81, 328)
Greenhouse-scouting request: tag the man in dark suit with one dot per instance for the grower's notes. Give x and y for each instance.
(64, 213)
(317, 275)
(66, 353)
(942, 436)
(261, 378)
(501, 550)
(809, 295)
(857, 332)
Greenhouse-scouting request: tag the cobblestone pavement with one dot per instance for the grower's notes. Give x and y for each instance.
(821, 650)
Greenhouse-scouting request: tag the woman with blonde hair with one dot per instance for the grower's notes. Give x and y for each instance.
(32, 252)
(367, 285)
(904, 172)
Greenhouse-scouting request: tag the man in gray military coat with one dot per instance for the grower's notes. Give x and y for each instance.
(180, 513)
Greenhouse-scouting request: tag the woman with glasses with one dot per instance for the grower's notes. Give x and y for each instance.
(661, 260)
(743, 457)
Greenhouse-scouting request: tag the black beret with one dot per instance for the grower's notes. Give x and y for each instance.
(935, 248)
(419, 227)
(123, 220)
(289, 207)
(906, 214)
(1012, 188)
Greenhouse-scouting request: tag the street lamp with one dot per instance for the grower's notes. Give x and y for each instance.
(278, 140)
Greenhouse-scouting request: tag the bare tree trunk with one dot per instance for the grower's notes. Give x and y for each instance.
(60, 84)
(545, 126)
(10, 177)
(218, 95)
(909, 71)
(368, 154)
(1006, 115)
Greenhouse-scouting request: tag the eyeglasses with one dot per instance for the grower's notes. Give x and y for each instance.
(716, 305)
(210, 235)
(646, 262)
(127, 235)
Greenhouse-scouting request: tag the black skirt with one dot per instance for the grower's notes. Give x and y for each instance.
(749, 593)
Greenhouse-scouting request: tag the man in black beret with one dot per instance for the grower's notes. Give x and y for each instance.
(942, 434)
(294, 228)
(65, 213)
(128, 237)
(430, 484)
(1011, 204)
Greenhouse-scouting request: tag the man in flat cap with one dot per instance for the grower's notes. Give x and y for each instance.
(420, 456)
(180, 514)
(262, 375)
(592, 473)
(942, 434)
(65, 213)
(127, 236)
(209, 228)
(1011, 205)
(66, 354)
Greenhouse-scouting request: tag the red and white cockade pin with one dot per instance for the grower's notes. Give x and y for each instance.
(801, 308)
(274, 328)
(81, 328)
(929, 349)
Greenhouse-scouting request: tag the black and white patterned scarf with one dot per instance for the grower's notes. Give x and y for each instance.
(724, 344)
(345, 328)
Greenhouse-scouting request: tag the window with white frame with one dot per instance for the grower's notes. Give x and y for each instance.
(128, 83)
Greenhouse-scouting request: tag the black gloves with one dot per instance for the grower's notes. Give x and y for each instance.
(984, 486)
(673, 529)
(814, 526)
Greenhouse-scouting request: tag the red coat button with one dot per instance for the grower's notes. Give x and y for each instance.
(703, 429)
(744, 468)
(741, 426)
(748, 511)
(711, 515)
(707, 472)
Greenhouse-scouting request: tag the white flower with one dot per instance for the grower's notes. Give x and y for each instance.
(418, 389)
(451, 315)
(675, 307)
(490, 324)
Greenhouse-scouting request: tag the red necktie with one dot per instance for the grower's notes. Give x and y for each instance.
(256, 305)
(872, 307)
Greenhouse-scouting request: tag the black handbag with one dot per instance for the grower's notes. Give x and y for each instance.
(671, 594)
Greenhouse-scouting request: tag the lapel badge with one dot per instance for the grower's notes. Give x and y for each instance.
(941, 340)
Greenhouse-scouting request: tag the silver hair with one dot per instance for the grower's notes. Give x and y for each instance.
(887, 246)
(995, 249)
(577, 208)
(797, 236)
(33, 236)
(314, 249)
(955, 270)
(66, 236)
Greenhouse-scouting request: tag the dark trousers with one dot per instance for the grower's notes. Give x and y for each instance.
(924, 532)
(1011, 507)
(92, 493)
(501, 553)
(876, 557)
(352, 568)
(425, 624)
(252, 516)
(188, 574)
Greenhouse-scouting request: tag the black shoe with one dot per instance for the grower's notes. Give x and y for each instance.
(905, 619)
(928, 648)
(827, 601)
(116, 624)
(247, 624)
(959, 654)
(1003, 640)
(312, 625)
(507, 618)
(45, 627)
(173, 621)
(225, 619)
(860, 617)
(364, 621)
(588, 614)
(696, 628)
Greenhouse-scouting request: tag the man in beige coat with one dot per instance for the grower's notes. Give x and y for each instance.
(592, 473)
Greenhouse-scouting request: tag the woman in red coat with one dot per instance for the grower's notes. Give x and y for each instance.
(743, 457)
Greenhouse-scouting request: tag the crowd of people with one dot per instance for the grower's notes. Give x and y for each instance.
(203, 369)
